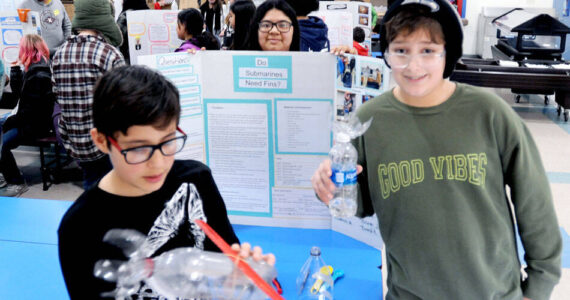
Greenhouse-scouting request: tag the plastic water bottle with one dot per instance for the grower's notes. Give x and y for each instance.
(343, 158)
(314, 280)
(181, 273)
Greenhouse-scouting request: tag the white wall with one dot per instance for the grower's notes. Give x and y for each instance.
(474, 9)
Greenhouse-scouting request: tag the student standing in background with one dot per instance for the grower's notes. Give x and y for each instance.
(313, 31)
(54, 22)
(213, 14)
(77, 65)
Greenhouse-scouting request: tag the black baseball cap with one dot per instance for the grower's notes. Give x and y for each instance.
(445, 14)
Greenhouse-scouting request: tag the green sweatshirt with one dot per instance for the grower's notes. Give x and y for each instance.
(436, 178)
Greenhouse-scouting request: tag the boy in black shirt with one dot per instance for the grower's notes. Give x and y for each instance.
(136, 112)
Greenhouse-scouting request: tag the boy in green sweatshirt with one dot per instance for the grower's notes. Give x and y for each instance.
(435, 165)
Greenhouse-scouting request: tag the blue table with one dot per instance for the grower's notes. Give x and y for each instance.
(29, 265)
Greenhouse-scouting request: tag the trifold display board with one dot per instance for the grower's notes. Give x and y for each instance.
(339, 23)
(12, 30)
(262, 122)
(361, 12)
(359, 79)
(152, 32)
(7, 5)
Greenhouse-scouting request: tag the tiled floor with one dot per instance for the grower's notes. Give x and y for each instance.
(551, 133)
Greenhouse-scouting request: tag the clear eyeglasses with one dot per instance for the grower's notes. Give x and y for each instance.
(282, 26)
(137, 155)
(401, 60)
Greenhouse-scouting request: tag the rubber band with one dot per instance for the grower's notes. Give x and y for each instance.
(240, 263)
(149, 267)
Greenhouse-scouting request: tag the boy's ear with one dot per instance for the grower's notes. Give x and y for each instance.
(100, 140)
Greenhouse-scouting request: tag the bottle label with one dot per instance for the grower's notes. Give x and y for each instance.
(341, 178)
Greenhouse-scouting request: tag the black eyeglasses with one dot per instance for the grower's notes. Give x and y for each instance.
(137, 155)
(282, 26)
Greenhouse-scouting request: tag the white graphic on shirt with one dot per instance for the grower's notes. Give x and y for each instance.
(48, 19)
(184, 206)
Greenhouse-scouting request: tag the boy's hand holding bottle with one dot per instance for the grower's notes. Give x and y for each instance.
(322, 183)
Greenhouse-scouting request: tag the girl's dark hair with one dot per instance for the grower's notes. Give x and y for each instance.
(243, 11)
(193, 23)
(304, 7)
(134, 95)
(134, 5)
(253, 36)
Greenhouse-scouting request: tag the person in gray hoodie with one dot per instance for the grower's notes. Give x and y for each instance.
(54, 21)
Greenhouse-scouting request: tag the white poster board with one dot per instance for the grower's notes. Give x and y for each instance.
(262, 122)
(6, 5)
(361, 12)
(339, 24)
(365, 230)
(152, 32)
(11, 31)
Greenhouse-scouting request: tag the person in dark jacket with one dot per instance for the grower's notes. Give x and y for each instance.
(314, 32)
(32, 120)
(213, 14)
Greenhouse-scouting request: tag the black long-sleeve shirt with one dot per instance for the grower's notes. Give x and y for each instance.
(164, 216)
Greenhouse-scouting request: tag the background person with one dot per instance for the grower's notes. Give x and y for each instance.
(358, 36)
(213, 14)
(3, 78)
(190, 30)
(242, 11)
(159, 4)
(34, 88)
(313, 31)
(77, 65)
(54, 21)
(274, 28)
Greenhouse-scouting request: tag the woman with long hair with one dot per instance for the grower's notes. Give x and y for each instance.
(190, 29)
(34, 87)
(274, 28)
(242, 11)
(213, 14)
